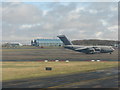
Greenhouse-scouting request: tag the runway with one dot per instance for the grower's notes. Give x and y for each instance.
(107, 78)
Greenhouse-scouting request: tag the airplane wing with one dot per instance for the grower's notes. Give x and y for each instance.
(83, 48)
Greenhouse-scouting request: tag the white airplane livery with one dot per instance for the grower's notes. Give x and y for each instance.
(85, 49)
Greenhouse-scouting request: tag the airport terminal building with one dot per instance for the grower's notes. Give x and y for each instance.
(46, 42)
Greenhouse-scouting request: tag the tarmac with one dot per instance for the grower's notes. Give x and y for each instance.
(105, 78)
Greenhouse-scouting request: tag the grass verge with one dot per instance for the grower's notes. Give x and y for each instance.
(21, 70)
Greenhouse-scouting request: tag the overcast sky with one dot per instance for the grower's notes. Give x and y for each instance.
(77, 20)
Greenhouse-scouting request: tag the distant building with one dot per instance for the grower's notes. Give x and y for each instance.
(46, 42)
(12, 44)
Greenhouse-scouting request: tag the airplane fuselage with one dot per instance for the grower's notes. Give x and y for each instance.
(90, 49)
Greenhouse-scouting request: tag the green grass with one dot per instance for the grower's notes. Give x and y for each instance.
(21, 70)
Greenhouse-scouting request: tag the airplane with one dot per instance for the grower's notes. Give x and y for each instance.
(85, 49)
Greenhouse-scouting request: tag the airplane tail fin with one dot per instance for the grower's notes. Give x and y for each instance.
(64, 39)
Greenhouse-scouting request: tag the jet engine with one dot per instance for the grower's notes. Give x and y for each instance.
(97, 49)
(90, 51)
(93, 50)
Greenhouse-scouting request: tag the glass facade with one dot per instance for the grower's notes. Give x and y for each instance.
(46, 42)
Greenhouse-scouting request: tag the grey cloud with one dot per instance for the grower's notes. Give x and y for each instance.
(59, 19)
(20, 13)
